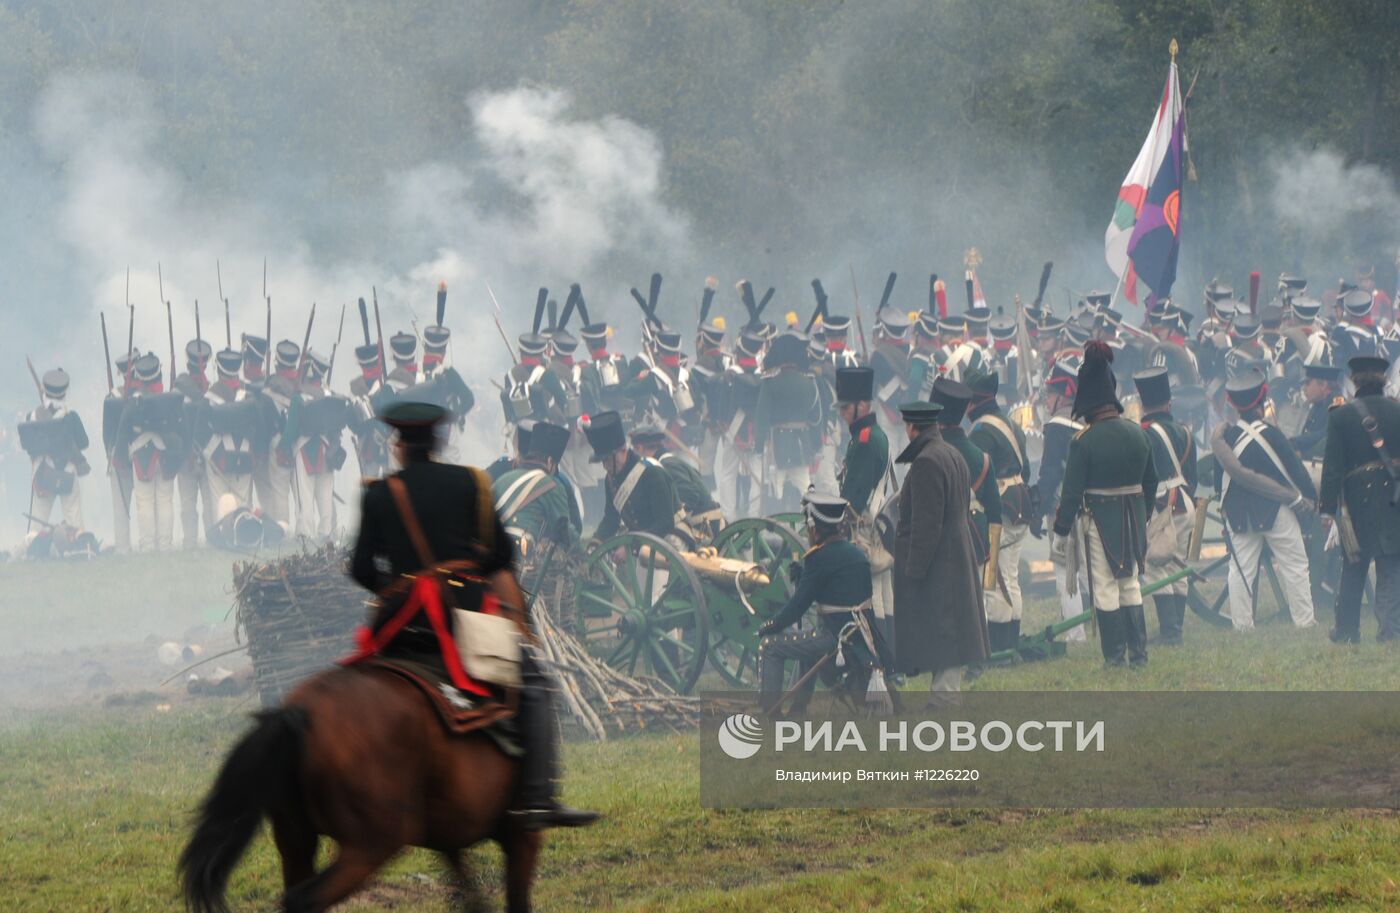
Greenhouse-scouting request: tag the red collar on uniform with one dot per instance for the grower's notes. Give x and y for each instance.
(836, 345)
(599, 354)
(231, 384)
(671, 361)
(371, 373)
(409, 366)
(1004, 345)
(155, 387)
(430, 359)
(530, 360)
(747, 361)
(289, 373)
(565, 360)
(202, 382)
(253, 370)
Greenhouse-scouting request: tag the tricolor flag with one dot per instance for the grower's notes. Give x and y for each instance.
(1142, 239)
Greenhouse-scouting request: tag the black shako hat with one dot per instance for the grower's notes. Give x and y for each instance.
(855, 385)
(228, 362)
(415, 422)
(548, 440)
(1246, 390)
(1154, 387)
(786, 349)
(983, 384)
(1097, 385)
(953, 397)
(605, 435)
(920, 413)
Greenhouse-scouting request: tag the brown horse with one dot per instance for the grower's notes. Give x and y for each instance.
(362, 758)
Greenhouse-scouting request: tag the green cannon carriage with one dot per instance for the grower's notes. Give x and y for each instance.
(653, 606)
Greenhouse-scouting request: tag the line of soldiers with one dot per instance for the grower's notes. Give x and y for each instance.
(252, 452)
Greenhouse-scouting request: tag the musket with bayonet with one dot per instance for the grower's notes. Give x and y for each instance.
(860, 324)
(106, 353)
(228, 325)
(330, 369)
(170, 325)
(267, 362)
(130, 328)
(379, 328)
(305, 341)
(500, 329)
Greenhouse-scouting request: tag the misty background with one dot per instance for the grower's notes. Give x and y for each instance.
(531, 144)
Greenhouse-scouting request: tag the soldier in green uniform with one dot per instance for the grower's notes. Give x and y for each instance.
(640, 495)
(1110, 479)
(1005, 442)
(531, 500)
(835, 580)
(787, 417)
(955, 397)
(1174, 460)
(1321, 390)
(1358, 488)
(700, 512)
(863, 477)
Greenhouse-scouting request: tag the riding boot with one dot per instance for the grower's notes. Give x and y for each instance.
(1135, 635)
(536, 805)
(1111, 637)
(1180, 617)
(997, 632)
(1014, 634)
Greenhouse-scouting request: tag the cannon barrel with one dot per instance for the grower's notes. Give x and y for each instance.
(709, 565)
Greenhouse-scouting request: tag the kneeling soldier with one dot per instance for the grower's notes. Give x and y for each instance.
(835, 579)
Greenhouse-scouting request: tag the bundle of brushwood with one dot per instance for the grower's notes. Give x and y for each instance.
(298, 616)
(603, 701)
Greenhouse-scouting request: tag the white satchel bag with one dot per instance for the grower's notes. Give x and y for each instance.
(489, 647)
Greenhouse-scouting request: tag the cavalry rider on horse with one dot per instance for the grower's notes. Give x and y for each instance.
(442, 515)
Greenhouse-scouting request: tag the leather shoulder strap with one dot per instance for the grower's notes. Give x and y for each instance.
(410, 520)
(485, 509)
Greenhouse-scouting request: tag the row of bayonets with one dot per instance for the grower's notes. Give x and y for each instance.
(228, 326)
(652, 323)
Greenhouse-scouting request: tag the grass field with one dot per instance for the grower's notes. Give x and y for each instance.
(95, 801)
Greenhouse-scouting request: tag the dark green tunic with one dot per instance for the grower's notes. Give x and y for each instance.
(984, 486)
(691, 491)
(1111, 453)
(789, 397)
(835, 574)
(650, 508)
(867, 460)
(1351, 469)
(540, 518)
(1008, 462)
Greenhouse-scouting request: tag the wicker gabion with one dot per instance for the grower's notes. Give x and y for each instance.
(298, 615)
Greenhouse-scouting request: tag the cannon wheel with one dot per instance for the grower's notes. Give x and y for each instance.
(644, 611)
(770, 544)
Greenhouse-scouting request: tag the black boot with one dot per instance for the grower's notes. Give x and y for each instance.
(1111, 637)
(996, 635)
(1135, 634)
(1015, 633)
(537, 806)
(1168, 619)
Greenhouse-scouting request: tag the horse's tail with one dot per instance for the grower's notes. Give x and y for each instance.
(258, 774)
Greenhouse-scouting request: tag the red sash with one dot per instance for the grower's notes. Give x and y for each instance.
(425, 597)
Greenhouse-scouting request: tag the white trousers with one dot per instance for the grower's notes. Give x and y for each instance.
(1285, 541)
(155, 513)
(194, 488)
(72, 504)
(1110, 593)
(273, 482)
(732, 464)
(999, 607)
(315, 502)
(779, 480)
(121, 514)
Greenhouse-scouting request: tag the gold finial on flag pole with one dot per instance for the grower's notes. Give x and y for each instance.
(1172, 48)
